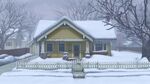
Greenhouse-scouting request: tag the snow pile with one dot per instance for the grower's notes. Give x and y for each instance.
(48, 60)
(24, 56)
(10, 59)
(122, 56)
(144, 59)
(7, 59)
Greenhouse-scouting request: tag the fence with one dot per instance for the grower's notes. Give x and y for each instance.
(135, 49)
(15, 52)
(88, 65)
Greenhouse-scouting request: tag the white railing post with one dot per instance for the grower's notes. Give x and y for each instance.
(117, 65)
(36, 66)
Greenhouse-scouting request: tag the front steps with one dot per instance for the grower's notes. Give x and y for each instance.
(78, 70)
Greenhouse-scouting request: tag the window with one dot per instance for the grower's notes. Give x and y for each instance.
(49, 47)
(104, 46)
(98, 46)
(9, 44)
(61, 47)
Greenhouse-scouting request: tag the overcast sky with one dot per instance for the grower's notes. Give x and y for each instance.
(46, 9)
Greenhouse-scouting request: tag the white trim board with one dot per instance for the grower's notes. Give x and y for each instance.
(65, 40)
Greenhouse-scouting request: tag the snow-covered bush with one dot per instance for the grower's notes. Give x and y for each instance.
(9, 59)
(65, 56)
(24, 56)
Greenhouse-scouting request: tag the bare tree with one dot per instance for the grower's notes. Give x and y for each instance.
(77, 10)
(128, 16)
(27, 27)
(12, 20)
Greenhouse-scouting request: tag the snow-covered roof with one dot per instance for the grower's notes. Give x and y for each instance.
(96, 29)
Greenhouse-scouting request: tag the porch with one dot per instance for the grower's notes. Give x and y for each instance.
(56, 49)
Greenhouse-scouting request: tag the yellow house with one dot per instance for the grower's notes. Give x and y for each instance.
(76, 38)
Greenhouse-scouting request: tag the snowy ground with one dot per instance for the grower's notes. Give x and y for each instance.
(93, 76)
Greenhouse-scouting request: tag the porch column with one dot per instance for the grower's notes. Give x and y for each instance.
(87, 48)
(42, 47)
(108, 47)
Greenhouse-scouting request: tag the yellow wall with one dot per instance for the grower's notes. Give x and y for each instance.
(64, 32)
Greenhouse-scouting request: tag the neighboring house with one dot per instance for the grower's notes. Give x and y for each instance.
(77, 38)
(10, 44)
(13, 44)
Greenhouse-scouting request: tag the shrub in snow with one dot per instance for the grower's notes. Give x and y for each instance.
(43, 55)
(65, 56)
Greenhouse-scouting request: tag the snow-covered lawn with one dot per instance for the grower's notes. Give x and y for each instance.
(122, 56)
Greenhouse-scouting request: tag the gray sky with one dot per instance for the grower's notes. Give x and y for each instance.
(46, 9)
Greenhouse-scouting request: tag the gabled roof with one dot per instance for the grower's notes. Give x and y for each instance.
(92, 29)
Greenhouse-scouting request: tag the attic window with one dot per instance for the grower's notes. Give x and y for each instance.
(64, 23)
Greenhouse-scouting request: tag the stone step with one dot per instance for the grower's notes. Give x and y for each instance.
(78, 75)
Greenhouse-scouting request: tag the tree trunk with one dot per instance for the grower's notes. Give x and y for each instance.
(146, 49)
(2, 46)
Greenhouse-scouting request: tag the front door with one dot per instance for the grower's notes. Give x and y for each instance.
(76, 50)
